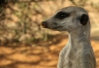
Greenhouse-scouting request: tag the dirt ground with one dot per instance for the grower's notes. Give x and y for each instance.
(45, 55)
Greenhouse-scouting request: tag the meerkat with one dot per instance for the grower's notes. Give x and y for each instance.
(78, 52)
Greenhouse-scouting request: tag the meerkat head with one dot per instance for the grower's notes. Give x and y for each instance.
(67, 19)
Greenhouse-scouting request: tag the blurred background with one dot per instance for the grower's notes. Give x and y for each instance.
(25, 44)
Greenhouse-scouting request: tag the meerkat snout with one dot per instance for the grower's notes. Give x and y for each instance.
(44, 24)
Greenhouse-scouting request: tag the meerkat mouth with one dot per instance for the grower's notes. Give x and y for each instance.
(57, 27)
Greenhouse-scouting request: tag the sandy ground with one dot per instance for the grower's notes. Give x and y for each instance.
(45, 55)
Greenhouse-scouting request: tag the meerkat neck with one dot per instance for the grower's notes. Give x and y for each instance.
(76, 37)
(78, 33)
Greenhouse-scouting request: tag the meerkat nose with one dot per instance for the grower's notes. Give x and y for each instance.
(44, 24)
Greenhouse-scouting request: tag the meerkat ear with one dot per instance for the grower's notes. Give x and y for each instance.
(84, 19)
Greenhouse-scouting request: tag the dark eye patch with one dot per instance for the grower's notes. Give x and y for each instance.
(62, 15)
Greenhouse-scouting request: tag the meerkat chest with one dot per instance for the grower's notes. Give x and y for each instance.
(72, 57)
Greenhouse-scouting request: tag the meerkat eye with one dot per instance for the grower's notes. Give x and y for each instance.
(62, 15)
